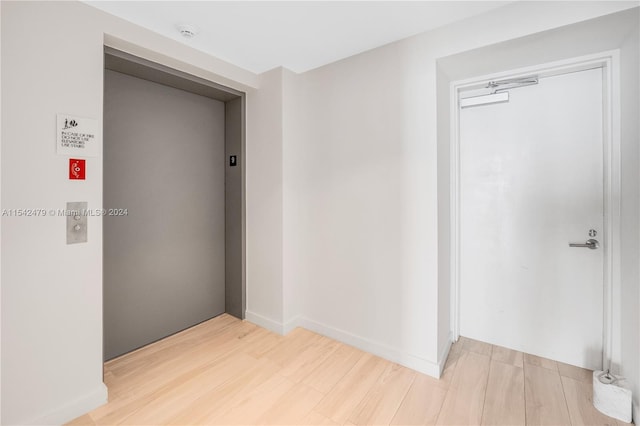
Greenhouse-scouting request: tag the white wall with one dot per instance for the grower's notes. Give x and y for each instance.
(50, 358)
(630, 211)
(274, 301)
(293, 231)
(368, 191)
(264, 210)
(51, 292)
(370, 245)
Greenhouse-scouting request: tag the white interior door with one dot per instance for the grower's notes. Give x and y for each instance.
(531, 183)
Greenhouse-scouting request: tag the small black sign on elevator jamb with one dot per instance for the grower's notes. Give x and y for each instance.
(233, 161)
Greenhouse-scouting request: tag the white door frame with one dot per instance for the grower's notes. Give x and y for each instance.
(609, 61)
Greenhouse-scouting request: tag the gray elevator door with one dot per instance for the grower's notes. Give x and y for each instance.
(164, 262)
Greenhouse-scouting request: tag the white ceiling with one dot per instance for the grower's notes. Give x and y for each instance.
(262, 35)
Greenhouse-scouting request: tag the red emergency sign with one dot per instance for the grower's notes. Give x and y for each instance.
(76, 169)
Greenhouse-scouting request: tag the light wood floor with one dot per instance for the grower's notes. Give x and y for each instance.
(226, 371)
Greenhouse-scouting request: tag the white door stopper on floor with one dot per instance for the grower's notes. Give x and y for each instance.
(611, 395)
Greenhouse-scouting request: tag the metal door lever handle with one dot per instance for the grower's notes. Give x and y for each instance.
(590, 244)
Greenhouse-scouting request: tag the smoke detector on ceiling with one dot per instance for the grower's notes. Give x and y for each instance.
(187, 30)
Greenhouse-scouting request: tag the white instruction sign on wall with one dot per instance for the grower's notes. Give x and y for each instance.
(77, 136)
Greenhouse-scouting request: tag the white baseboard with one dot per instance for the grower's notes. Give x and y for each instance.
(392, 354)
(422, 365)
(270, 324)
(444, 354)
(264, 322)
(73, 409)
(290, 325)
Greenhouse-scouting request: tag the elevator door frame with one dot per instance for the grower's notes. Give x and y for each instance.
(235, 200)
